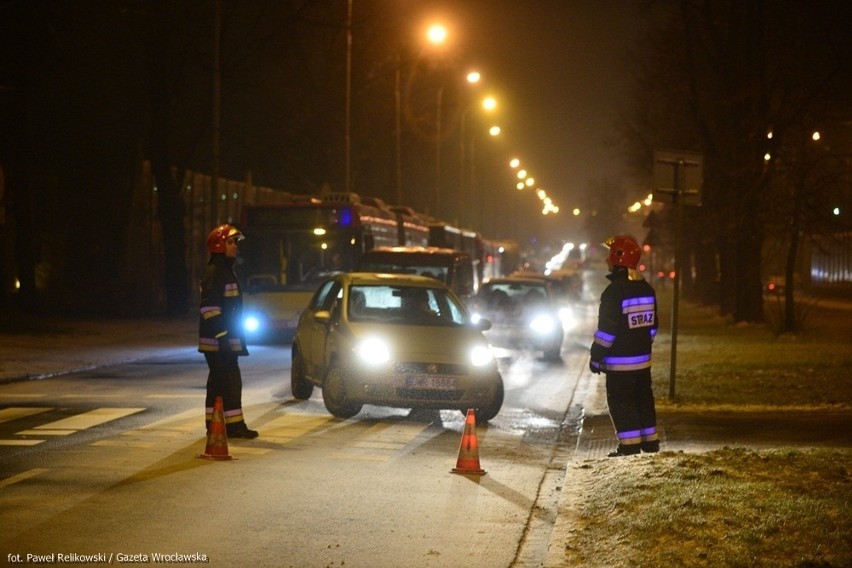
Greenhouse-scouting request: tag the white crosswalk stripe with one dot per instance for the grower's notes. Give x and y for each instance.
(62, 427)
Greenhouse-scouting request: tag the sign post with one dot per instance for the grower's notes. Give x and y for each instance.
(677, 180)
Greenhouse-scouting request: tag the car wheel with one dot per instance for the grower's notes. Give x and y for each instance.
(553, 354)
(334, 394)
(300, 386)
(488, 412)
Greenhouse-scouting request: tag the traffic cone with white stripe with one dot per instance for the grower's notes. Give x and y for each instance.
(468, 461)
(217, 435)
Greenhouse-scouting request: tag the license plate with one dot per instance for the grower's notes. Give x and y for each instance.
(434, 383)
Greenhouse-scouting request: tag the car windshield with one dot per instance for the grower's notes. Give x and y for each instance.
(512, 296)
(404, 305)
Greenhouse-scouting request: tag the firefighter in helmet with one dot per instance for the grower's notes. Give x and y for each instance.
(627, 325)
(220, 333)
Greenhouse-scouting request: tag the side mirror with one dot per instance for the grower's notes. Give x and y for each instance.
(322, 316)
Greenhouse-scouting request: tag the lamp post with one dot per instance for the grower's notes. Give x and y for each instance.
(438, 111)
(488, 104)
(347, 136)
(217, 112)
(472, 78)
(436, 35)
(397, 100)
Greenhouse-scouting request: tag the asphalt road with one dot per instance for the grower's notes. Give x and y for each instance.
(104, 461)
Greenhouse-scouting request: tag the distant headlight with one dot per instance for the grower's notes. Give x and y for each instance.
(481, 355)
(251, 324)
(373, 351)
(543, 324)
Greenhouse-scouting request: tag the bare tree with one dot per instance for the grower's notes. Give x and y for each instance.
(712, 78)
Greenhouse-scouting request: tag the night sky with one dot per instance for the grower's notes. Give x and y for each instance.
(559, 68)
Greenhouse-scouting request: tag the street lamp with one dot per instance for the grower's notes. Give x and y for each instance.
(347, 135)
(436, 35)
(488, 104)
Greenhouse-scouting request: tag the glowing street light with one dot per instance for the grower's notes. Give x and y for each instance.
(437, 34)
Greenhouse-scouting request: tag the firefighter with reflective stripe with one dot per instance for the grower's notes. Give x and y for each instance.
(220, 332)
(627, 325)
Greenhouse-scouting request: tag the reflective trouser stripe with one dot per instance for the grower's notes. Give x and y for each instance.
(649, 434)
(230, 416)
(629, 437)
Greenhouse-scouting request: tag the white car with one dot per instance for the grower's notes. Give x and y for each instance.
(393, 340)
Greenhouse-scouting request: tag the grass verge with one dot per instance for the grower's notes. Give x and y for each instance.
(727, 507)
(738, 506)
(736, 366)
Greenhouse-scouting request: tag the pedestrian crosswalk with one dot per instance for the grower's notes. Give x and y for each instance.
(9, 414)
(358, 439)
(84, 421)
(61, 427)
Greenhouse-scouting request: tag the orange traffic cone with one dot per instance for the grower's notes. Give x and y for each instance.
(217, 435)
(468, 461)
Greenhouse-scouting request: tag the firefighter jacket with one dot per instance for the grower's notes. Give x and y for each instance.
(627, 325)
(221, 308)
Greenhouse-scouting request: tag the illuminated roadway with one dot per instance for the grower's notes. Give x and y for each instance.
(105, 462)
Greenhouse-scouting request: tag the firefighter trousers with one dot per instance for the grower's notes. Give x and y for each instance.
(224, 379)
(631, 406)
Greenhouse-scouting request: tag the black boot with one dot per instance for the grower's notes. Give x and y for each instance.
(651, 447)
(240, 430)
(624, 450)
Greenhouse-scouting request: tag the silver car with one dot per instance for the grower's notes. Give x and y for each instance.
(393, 340)
(523, 314)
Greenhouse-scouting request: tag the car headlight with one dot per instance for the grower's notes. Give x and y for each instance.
(475, 317)
(480, 356)
(543, 324)
(373, 351)
(566, 315)
(251, 324)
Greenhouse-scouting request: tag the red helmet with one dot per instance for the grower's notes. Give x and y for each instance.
(217, 237)
(623, 251)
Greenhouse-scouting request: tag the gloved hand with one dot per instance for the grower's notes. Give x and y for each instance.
(595, 367)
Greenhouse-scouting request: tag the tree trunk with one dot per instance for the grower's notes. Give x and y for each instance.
(18, 183)
(707, 274)
(727, 272)
(749, 297)
(172, 213)
(790, 323)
